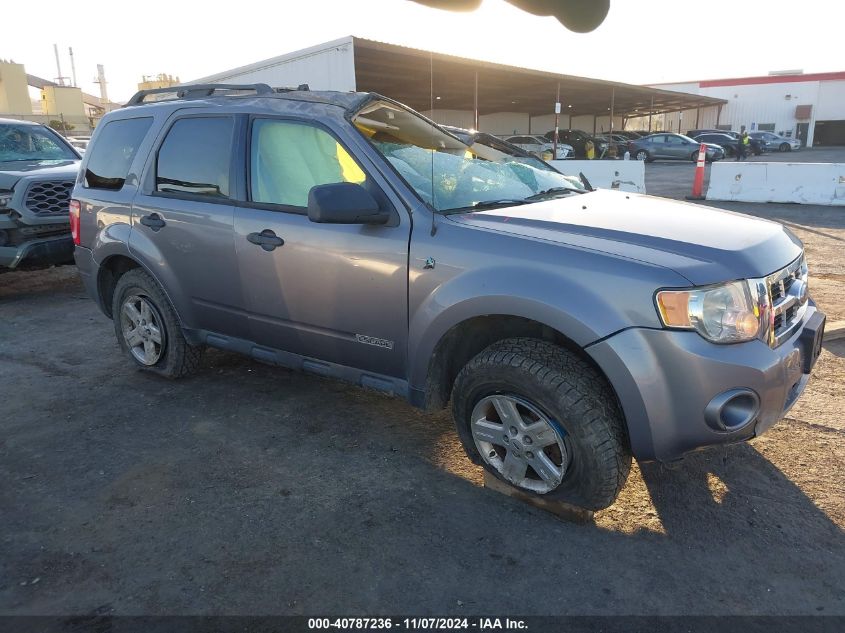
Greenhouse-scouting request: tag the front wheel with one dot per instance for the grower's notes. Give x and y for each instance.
(148, 329)
(784, 147)
(542, 419)
(642, 155)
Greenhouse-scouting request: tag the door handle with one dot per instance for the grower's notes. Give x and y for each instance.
(154, 221)
(266, 239)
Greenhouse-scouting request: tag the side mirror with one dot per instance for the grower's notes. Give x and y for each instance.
(344, 203)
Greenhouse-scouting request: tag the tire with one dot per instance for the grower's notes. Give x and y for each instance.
(172, 356)
(642, 155)
(784, 147)
(547, 386)
(695, 157)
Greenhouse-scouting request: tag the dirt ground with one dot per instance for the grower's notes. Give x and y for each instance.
(249, 489)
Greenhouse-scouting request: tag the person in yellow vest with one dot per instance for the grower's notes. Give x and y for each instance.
(589, 149)
(743, 145)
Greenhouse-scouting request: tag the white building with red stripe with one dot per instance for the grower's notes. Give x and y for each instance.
(810, 107)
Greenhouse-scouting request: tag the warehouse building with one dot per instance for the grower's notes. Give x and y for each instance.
(493, 98)
(809, 107)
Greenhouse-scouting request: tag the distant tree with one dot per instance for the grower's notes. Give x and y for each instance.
(60, 126)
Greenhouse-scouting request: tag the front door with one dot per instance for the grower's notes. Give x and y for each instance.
(331, 292)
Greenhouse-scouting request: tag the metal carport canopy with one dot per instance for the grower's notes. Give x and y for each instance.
(405, 74)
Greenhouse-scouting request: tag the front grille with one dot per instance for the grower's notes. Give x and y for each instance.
(788, 296)
(49, 197)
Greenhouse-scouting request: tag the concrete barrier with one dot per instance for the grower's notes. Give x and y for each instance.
(625, 175)
(802, 183)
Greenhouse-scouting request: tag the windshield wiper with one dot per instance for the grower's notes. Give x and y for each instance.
(553, 192)
(489, 204)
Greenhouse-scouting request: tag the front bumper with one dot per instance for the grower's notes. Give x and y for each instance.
(38, 252)
(665, 380)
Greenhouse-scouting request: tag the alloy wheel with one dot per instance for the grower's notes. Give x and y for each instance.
(142, 330)
(520, 442)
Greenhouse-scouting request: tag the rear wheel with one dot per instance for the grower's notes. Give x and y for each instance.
(540, 418)
(148, 329)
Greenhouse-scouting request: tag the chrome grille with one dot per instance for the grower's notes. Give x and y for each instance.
(788, 295)
(49, 197)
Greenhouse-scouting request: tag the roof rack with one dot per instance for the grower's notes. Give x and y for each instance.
(198, 91)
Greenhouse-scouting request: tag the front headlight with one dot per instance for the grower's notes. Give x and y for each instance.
(5, 198)
(726, 313)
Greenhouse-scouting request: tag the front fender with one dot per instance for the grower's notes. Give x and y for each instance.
(567, 304)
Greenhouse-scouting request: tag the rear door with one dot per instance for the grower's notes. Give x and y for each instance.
(657, 146)
(183, 220)
(332, 292)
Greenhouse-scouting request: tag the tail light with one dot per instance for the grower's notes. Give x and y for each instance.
(74, 221)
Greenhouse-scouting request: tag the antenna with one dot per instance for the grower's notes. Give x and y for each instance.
(433, 150)
(72, 66)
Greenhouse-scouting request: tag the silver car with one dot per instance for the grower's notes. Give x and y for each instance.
(772, 141)
(540, 145)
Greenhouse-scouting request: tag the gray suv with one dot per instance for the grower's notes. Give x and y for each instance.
(346, 235)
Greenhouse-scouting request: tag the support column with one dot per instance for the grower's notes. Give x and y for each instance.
(650, 110)
(612, 105)
(558, 105)
(475, 100)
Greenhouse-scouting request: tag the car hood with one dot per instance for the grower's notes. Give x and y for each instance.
(703, 244)
(12, 171)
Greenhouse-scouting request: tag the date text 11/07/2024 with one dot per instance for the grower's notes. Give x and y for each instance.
(431, 624)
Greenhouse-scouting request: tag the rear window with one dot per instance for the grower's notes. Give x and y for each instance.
(111, 156)
(195, 157)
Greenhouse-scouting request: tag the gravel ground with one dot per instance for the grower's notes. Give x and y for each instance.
(249, 489)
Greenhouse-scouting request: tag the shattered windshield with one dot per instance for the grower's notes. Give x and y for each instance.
(31, 142)
(448, 174)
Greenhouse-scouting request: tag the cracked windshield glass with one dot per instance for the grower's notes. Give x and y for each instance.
(452, 175)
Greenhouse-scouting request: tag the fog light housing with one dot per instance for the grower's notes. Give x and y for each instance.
(732, 410)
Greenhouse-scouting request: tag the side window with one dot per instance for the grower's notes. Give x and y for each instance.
(195, 157)
(659, 138)
(111, 156)
(287, 159)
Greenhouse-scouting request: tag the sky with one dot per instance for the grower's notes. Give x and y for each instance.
(641, 41)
